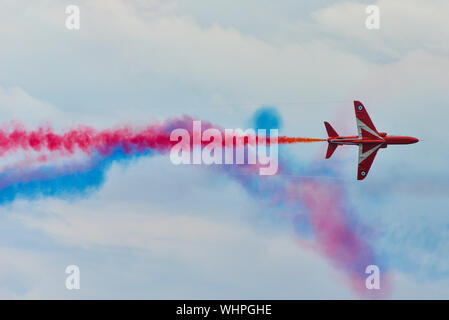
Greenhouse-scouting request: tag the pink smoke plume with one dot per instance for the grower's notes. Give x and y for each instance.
(342, 239)
(322, 207)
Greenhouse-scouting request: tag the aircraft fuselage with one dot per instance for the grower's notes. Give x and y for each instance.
(355, 140)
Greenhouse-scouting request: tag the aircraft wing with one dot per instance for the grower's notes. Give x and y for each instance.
(367, 153)
(365, 126)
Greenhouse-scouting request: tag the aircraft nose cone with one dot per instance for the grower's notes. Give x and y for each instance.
(414, 140)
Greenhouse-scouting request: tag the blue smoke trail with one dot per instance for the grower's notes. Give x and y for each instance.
(67, 181)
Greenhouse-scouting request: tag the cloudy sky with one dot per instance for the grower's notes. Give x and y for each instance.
(155, 230)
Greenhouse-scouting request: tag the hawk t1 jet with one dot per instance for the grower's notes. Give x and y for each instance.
(369, 140)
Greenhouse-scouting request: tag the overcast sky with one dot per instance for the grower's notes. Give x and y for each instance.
(155, 230)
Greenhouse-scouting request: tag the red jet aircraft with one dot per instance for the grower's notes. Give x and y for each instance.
(368, 140)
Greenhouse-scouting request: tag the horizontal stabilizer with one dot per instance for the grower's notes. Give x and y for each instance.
(330, 131)
(330, 149)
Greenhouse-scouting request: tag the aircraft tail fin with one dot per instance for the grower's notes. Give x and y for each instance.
(330, 149)
(332, 134)
(330, 131)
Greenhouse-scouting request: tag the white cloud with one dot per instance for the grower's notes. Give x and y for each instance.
(405, 25)
(207, 258)
(145, 59)
(16, 104)
(407, 287)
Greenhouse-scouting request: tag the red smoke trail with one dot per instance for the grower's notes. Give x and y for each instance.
(87, 139)
(290, 140)
(83, 138)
